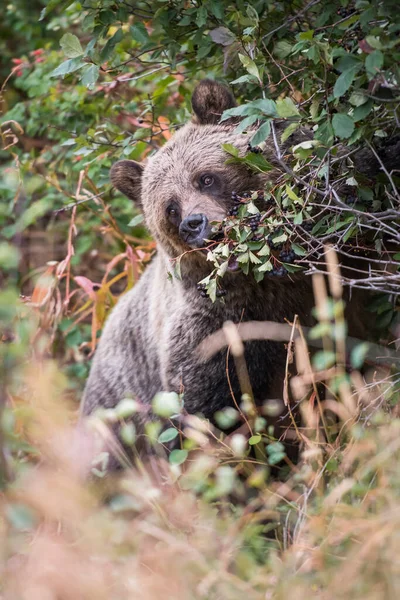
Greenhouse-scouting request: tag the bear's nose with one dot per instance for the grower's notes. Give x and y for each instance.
(193, 229)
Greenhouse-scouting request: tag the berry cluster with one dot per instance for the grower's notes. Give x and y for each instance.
(202, 288)
(278, 271)
(235, 197)
(233, 212)
(287, 256)
(238, 200)
(344, 12)
(254, 222)
(254, 149)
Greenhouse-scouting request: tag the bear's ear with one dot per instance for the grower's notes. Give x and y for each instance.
(209, 101)
(126, 176)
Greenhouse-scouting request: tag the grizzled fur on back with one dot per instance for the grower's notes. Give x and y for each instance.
(150, 340)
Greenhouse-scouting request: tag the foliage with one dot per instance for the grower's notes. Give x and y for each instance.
(88, 83)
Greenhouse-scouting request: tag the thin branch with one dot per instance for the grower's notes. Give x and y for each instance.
(288, 21)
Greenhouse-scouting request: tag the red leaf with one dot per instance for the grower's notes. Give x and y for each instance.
(87, 286)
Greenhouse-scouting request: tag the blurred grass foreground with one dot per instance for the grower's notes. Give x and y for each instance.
(197, 527)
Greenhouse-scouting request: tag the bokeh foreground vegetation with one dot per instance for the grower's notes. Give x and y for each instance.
(84, 84)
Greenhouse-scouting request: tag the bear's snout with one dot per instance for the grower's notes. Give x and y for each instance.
(194, 229)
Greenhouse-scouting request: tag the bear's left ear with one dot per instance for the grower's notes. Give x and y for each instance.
(209, 101)
(126, 176)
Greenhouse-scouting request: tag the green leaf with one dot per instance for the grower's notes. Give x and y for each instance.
(305, 149)
(185, 21)
(201, 16)
(292, 195)
(127, 433)
(343, 125)
(374, 42)
(110, 45)
(358, 355)
(362, 111)
(265, 251)
(168, 435)
(323, 359)
(255, 439)
(344, 81)
(358, 98)
(9, 256)
(246, 123)
(139, 33)
(289, 130)
(222, 36)
(257, 162)
(90, 75)
(166, 404)
(177, 457)
(212, 290)
(282, 49)
(287, 108)
(71, 45)
(254, 259)
(68, 66)
(243, 79)
(250, 66)
(126, 408)
(240, 111)
(374, 63)
(267, 266)
(266, 106)
(230, 149)
(276, 452)
(261, 134)
(298, 250)
(227, 417)
(217, 8)
(51, 5)
(136, 221)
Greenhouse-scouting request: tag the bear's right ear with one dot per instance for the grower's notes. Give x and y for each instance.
(126, 176)
(209, 101)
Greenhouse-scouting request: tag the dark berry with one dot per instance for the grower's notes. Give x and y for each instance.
(220, 293)
(279, 271)
(233, 212)
(246, 195)
(308, 225)
(254, 149)
(287, 256)
(204, 294)
(351, 199)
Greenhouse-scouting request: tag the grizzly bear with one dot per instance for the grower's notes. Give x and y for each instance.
(150, 341)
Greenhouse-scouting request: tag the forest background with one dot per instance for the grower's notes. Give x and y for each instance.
(85, 84)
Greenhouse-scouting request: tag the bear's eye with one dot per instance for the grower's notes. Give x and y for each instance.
(173, 213)
(207, 180)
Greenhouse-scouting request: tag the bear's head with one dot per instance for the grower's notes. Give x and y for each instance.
(188, 184)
